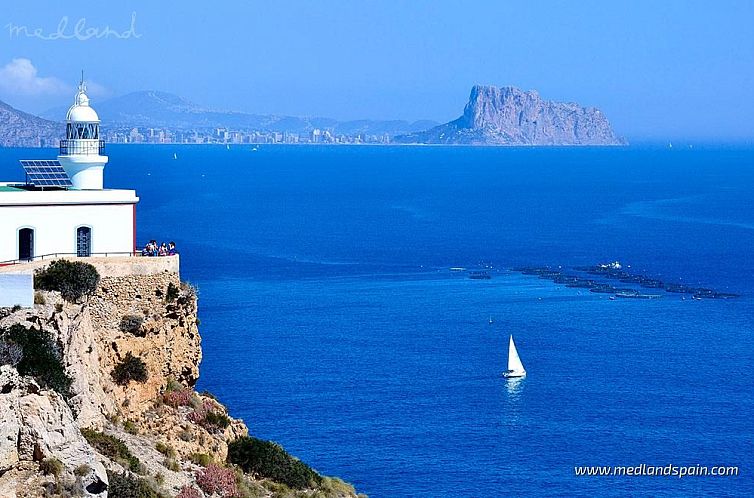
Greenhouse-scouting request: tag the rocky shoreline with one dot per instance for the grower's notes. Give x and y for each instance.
(128, 417)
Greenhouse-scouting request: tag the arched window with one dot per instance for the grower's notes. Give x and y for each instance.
(83, 242)
(26, 244)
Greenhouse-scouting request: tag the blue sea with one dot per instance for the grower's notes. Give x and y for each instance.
(332, 324)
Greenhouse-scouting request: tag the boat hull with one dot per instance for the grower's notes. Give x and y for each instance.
(510, 374)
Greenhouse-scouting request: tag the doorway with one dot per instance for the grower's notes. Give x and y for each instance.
(26, 244)
(83, 242)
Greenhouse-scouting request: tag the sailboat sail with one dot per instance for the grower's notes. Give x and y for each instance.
(514, 362)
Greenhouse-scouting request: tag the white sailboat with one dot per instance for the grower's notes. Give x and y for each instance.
(515, 367)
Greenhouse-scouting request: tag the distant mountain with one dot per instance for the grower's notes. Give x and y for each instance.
(19, 129)
(152, 109)
(509, 116)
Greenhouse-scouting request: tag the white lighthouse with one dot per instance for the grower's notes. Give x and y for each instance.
(82, 151)
(62, 208)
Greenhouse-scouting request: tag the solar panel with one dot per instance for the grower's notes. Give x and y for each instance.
(45, 173)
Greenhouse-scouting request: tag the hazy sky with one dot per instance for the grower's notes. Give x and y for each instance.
(658, 69)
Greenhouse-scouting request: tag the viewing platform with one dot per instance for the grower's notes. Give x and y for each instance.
(111, 266)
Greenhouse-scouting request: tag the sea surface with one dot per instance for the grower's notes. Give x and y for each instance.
(332, 324)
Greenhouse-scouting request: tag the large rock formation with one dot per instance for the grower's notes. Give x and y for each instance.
(509, 116)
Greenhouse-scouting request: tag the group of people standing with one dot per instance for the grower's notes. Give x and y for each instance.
(163, 249)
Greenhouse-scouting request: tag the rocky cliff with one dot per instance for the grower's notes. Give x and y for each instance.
(509, 116)
(155, 430)
(19, 129)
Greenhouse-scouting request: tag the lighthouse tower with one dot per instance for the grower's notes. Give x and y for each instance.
(82, 152)
(62, 209)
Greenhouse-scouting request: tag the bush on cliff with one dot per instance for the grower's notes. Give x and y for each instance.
(269, 460)
(132, 324)
(189, 492)
(35, 353)
(123, 485)
(73, 279)
(172, 293)
(208, 416)
(113, 448)
(131, 368)
(217, 480)
(10, 353)
(179, 397)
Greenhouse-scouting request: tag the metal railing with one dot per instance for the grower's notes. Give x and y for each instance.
(88, 147)
(68, 254)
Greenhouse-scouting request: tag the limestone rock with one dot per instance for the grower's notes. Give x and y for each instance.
(509, 116)
(168, 341)
(36, 425)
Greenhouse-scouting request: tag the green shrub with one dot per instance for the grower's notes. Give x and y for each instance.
(41, 357)
(123, 485)
(202, 459)
(10, 353)
(132, 324)
(73, 279)
(209, 419)
(131, 368)
(173, 385)
(51, 466)
(216, 419)
(59, 307)
(113, 448)
(171, 464)
(270, 460)
(336, 487)
(39, 298)
(165, 449)
(130, 427)
(82, 470)
(172, 293)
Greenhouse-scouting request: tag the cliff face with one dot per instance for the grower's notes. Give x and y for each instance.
(39, 424)
(20, 129)
(36, 425)
(168, 340)
(509, 116)
(140, 309)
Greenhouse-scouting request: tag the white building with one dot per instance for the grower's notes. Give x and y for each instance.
(63, 208)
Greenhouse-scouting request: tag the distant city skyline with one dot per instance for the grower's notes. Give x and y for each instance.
(675, 70)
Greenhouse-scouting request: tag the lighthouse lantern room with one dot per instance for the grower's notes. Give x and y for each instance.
(82, 151)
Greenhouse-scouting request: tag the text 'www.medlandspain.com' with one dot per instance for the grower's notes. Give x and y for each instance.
(669, 470)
